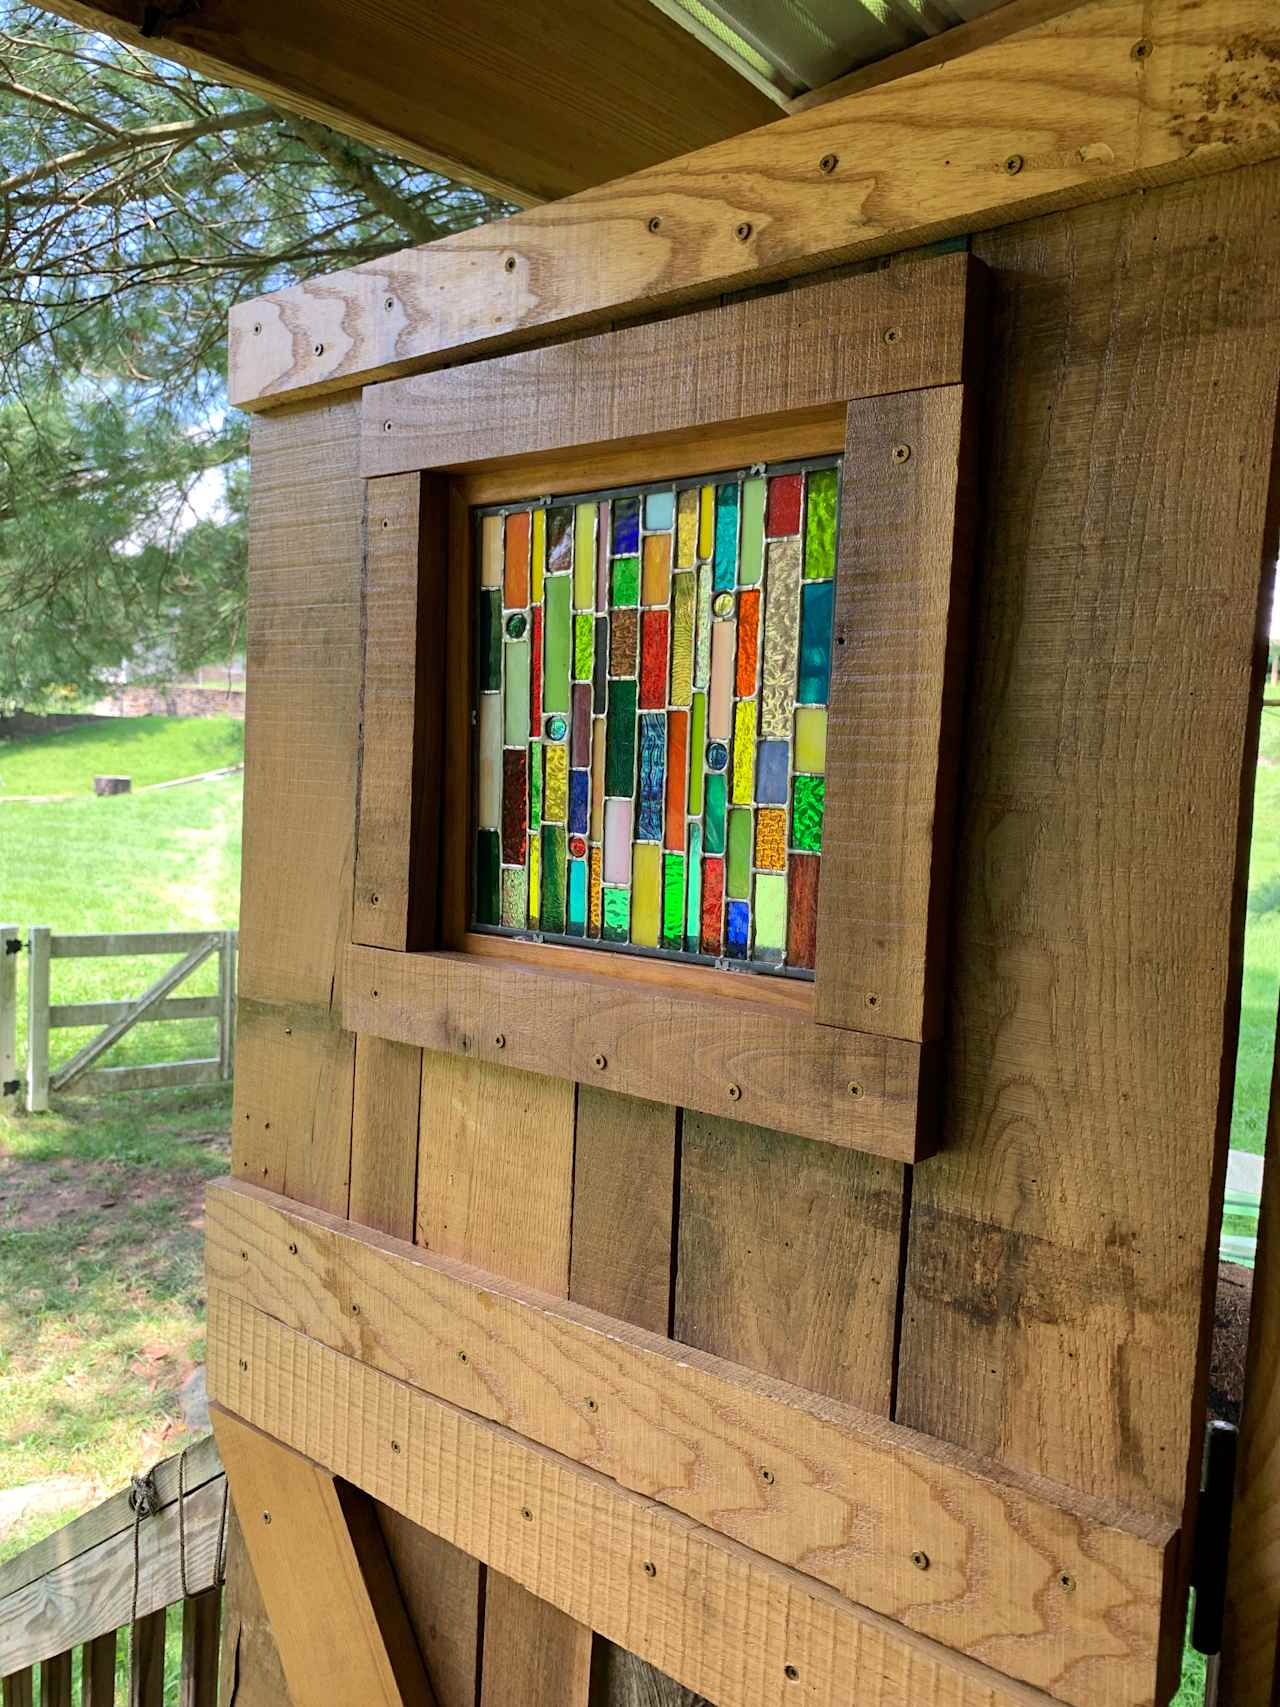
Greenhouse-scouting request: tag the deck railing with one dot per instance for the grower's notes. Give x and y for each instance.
(117, 1570)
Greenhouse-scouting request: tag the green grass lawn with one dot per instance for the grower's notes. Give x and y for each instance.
(148, 749)
(1261, 950)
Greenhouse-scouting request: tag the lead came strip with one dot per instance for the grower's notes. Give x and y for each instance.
(653, 674)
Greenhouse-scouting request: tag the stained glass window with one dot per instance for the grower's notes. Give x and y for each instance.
(653, 670)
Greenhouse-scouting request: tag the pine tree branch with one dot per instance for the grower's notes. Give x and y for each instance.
(344, 160)
(172, 135)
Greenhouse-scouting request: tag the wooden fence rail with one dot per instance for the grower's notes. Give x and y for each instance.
(157, 1002)
(119, 1568)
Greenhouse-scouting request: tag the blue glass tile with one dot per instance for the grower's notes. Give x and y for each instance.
(577, 921)
(626, 526)
(738, 925)
(814, 685)
(653, 768)
(771, 773)
(659, 511)
(725, 573)
(579, 801)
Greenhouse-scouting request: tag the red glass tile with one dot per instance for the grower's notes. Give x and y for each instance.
(748, 643)
(783, 513)
(578, 846)
(653, 660)
(677, 775)
(580, 756)
(802, 909)
(515, 803)
(516, 583)
(712, 904)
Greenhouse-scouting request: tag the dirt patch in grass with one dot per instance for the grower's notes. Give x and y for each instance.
(42, 1194)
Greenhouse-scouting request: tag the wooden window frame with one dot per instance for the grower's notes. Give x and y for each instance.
(879, 367)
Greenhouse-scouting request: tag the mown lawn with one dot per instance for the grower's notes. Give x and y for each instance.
(147, 749)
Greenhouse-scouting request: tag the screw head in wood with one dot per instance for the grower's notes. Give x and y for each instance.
(856, 1089)
(462, 1357)
(266, 1517)
(742, 231)
(920, 1561)
(655, 224)
(526, 1514)
(317, 349)
(1141, 49)
(355, 1309)
(499, 1041)
(591, 1405)
(902, 453)
(1067, 1581)
(386, 426)
(1014, 164)
(873, 1001)
(244, 1256)
(373, 900)
(388, 302)
(767, 1477)
(650, 1569)
(395, 1446)
(790, 1673)
(293, 1250)
(244, 1363)
(828, 163)
(600, 1062)
(257, 328)
(891, 334)
(510, 263)
(735, 1093)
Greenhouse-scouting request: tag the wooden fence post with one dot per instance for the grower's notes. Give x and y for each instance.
(10, 942)
(227, 1008)
(38, 1019)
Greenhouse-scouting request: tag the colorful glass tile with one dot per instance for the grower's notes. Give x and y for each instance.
(579, 801)
(600, 664)
(584, 635)
(555, 644)
(673, 900)
(751, 551)
(724, 641)
(782, 515)
(659, 511)
(597, 780)
(653, 659)
(770, 910)
(616, 915)
(697, 742)
(677, 778)
(684, 588)
(781, 639)
(535, 878)
(802, 909)
(655, 576)
(594, 910)
(581, 725)
(722, 604)
(515, 580)
(726, 558)
(820, 525)
(814, 685)
(617, 841)
(489, 643)
(808, 802)
(535, 784)
(553, 878)
(620, 739)
(737, 929)
(702, 630)
(693, 896)
(560, 525)
(713, 817)
(773, 773)
(811, 739)
(771, 838)
(744, 752)
(535, 671)
(602, 552)
(584, 571)
(515, 896)
(624, 630)
(712, 932)
(706, 522)
(653, 766)
(515, 694)
(626, 580)
(491, 551)
(489, 742)
(538, 558)
(717, 756)
(515, 803)
(626, 526)
(577, 847)
(687, 527)
(516, 624)
(555, 785)
(738, 856)
(744, 682)
(488, 854)
(556, 728)
(576, 921)
(646, 894)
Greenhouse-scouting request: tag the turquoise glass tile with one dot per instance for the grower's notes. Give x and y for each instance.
(726, 550)
(816, 604)
(714, 812)
(617, 915)
(659, 511)
(577, 921)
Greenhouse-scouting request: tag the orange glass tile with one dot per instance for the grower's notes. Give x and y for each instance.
(655, 576)
(771, 838)
(748, 643)
(515, 587)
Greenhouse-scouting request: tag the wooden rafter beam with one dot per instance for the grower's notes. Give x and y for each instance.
(1096, 102)
(532, 101)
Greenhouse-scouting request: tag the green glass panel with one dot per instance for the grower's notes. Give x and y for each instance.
(771, 915)
(620, 740)
(820, 526)
(535, 785)
(617, 915)
(738, 864)
(693, 904)
(555, 644)
(489, 640)
(577, 897)
(752, 560)
(714, 816)
(552, 912)
(808, 802)
(515, 899)
(583, 647)
(697, 741)
(488, 857)
(515, 694)
(673, 900)
(626, 580)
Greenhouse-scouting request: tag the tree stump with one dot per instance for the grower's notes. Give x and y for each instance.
(112, 784)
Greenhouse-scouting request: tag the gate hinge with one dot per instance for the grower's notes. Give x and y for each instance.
(11, 1087)
(1213, 1536)
(14, 945)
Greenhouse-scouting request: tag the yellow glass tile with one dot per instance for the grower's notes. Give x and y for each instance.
(539, 561)
(646, 893)
(555, 791)
(686, 527)
(707, 521)
(584, 557)
(655, 579)
(535, 877)
(744, 752)
(491, 551)
(597, 780)
(811, 739)
(771, 838)
(781, 639)
(682, 639)
(596, 901)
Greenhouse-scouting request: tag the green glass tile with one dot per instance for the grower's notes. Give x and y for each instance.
(693, 903)
(770, 912)
(617, 915)
(489, 640)
(738, 862)
(577, 924)
(820, 526)
(555, 644)
(751, 564)
(808, 802)
(535, 785)
(673, 900)
(515, 896)
(626, 580)
(583, 647)
(620, 740)
(714, 816)
(488, 855)
(697, 741)
(552, 912)
(515, 694)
